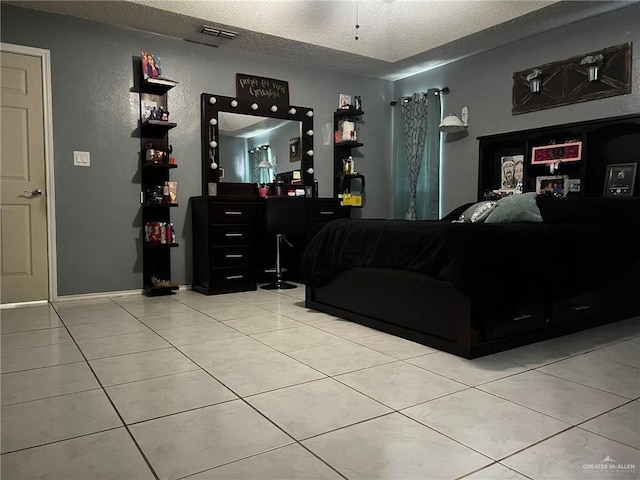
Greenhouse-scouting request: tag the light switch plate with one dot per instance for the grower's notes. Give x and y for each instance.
(81, 159)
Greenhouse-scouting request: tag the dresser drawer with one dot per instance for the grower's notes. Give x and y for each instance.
(226, 213)
(232, 256)
(225, 280)
(325, 212)
(234, 234)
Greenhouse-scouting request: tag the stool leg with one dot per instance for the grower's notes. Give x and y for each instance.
(279, 283)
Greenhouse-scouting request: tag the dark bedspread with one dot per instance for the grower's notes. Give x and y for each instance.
(494, 264)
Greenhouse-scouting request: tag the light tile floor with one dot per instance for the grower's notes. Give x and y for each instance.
(255, 386)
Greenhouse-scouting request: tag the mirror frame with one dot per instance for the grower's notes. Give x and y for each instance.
(212, 105)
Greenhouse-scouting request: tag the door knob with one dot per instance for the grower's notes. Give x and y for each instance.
(34, 193)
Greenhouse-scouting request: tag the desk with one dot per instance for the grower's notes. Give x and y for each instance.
(231, 248)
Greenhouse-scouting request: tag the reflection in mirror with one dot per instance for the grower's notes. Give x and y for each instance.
(246, 141)
(260, 165)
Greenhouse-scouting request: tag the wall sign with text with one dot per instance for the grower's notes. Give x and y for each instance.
(262, 90)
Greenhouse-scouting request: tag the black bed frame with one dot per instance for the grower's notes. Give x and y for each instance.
(435, 313)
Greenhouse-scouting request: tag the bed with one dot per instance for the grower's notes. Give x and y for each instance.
(475, 288)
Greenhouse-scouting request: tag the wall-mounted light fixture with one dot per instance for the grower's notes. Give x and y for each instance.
(594, 64)
(535, 80)
(454, 124)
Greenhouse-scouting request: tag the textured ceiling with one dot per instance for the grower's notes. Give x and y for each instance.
(397, 38)
(389, 31)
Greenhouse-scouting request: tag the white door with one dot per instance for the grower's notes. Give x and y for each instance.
(23, 213)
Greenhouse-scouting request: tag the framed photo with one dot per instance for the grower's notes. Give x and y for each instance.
(295, 149)
(620, 179)
(560, 152)
(556, 185)
(147, 107)
(574, 185)
(345, 101)
(512, 172)
(151, 66)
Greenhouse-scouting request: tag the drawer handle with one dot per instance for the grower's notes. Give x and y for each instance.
(326, 212)
(232, 212)
(233, 234)
(581, 307)
(235, 277)
(524, 316)
(234, 255)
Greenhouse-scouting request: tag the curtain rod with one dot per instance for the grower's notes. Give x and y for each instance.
(443, 91)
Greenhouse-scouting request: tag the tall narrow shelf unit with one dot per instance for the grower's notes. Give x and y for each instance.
(341, 150)
(154, 136)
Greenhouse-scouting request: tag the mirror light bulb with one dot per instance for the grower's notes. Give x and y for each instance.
(212, 100)
(310, 113)
(273, 108)
(213, 144)
(310, 133)
(234, 103)
(310, 153)
(213, 165)
(292, 111)
(213, 121)
(310, 171)
(254, 106)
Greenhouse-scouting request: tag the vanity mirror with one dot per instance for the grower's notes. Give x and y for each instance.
(232, 128)
(253, 148)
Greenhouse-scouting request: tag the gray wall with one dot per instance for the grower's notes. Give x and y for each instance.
(484, 83)
(95, 109)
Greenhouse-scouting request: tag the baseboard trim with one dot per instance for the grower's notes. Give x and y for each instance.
(34, 303)
(100, 295)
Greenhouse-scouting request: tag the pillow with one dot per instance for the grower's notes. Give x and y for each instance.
(515, 208)
(454, 214)
(477, 212)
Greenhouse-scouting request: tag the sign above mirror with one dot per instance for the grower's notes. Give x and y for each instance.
(262, 90)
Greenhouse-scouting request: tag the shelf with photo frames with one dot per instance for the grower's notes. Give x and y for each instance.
(156, 162)
(600, 143)
(346, 179)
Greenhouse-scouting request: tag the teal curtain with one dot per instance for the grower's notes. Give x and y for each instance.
(417, 189)
(256, 156)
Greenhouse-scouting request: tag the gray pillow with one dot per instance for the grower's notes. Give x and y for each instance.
(516, 208)
(477, 212)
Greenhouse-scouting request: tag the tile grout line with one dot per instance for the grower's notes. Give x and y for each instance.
(144, 457)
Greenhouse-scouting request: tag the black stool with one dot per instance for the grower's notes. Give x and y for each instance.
(284, 216)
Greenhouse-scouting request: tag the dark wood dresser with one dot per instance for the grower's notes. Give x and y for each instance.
(231, 249)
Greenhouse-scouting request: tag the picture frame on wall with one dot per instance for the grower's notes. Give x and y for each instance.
(555, 185)
(295, 149)
(557, 152)
(620, 179)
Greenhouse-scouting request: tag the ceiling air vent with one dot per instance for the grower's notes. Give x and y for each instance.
(216, 32)
(212, 36)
